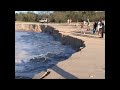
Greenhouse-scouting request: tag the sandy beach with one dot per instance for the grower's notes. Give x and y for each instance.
(89, 63)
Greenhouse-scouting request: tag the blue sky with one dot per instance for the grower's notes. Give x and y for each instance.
(33, 11)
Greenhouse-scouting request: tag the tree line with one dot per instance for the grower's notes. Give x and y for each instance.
(61, 16)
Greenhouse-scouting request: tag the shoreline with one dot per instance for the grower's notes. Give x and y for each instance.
(64, 56)
(87, 63)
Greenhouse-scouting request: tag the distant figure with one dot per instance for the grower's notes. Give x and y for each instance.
(101, 30)
(68, 21)
(94, 27)
(98, 27)
(82, 29)
(88, 25)
(103, 21)
(84, 22)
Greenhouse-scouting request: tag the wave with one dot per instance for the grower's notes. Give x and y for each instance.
(37, 52)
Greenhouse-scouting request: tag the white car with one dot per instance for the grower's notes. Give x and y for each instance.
(43, 21)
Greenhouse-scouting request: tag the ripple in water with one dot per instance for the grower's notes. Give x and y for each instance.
(35, 52)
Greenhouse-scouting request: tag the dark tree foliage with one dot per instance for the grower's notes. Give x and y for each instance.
(60, 16)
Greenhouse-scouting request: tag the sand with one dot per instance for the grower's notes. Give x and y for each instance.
(89, 63)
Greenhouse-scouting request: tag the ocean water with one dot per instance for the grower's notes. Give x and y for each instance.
(35, 52)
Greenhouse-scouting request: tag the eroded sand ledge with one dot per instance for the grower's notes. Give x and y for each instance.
(64, 39)
(27, 27)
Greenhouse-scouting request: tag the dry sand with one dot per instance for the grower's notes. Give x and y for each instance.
(89, 63)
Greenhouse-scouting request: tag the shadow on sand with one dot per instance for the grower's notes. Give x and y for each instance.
(63, 73)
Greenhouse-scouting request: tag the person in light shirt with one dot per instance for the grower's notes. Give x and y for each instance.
(98, 27)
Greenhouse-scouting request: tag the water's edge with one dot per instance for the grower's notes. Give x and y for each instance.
(64, 39)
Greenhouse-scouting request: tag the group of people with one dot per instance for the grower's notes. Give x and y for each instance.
(69, 21)
(99, 26)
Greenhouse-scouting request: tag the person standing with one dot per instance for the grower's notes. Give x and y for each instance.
(88, 25)
(98, 27)
(101, 29)
(103, 21)
(94, 27)
(82, 29)
(68, 21)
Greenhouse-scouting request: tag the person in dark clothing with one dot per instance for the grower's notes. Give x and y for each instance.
(94, 27)
(101, 29)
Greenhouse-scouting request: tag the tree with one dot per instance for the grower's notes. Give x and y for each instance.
(60, 16)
